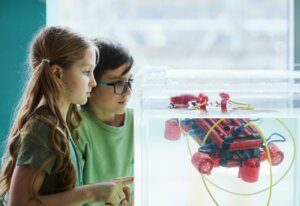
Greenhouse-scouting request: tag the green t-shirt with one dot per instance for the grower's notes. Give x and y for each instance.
(107, 151)
(34, 149)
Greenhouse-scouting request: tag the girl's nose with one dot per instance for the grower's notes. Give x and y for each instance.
(93, 82)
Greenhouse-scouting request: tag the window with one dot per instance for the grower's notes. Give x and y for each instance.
(246, 34)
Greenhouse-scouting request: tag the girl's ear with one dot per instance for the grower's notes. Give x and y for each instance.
(57, 71)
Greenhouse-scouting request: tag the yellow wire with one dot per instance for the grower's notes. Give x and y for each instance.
(281, 178)
(243, 108)
(202, 176)
(269, 159)
(247, 106)
(186, 135)
(265, 189)
(210, 130)
(180, 128)
(239, 103)
(198, 106)
(268, 155)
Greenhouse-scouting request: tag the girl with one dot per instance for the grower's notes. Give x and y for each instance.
(106, 132)
(41, 165)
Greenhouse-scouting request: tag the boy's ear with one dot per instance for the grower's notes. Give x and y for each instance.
(57, 71)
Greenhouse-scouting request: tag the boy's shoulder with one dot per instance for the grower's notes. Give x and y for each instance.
(129, 111)
(83, 112)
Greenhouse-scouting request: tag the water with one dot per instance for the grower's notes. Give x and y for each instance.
(171, 179)
(164, 173)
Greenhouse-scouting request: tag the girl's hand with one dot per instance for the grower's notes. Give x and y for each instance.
(127, 193)
(112, 192)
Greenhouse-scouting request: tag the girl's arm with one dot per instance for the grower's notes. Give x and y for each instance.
(110, 192)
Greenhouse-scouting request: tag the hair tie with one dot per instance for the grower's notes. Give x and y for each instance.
(46, 60)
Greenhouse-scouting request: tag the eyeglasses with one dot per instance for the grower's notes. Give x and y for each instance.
(120, 87)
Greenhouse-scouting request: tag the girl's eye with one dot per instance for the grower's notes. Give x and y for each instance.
(87, 73)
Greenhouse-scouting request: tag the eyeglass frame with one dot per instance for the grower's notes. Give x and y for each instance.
(127, 84)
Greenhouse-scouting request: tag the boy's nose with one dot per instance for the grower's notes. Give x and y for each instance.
(128, 89)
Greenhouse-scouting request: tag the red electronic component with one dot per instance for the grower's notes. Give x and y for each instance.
(224, 101)
(191, 101)
(172, 131)
(277, 155)
(202, 162)
(182, 101)
(203, 99)
(249, 171)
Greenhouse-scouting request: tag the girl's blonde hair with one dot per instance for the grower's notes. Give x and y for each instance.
(51, 46)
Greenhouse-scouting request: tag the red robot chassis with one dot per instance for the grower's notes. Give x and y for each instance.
(230, 144)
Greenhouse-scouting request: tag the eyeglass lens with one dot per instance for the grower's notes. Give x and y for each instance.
(121, 87)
